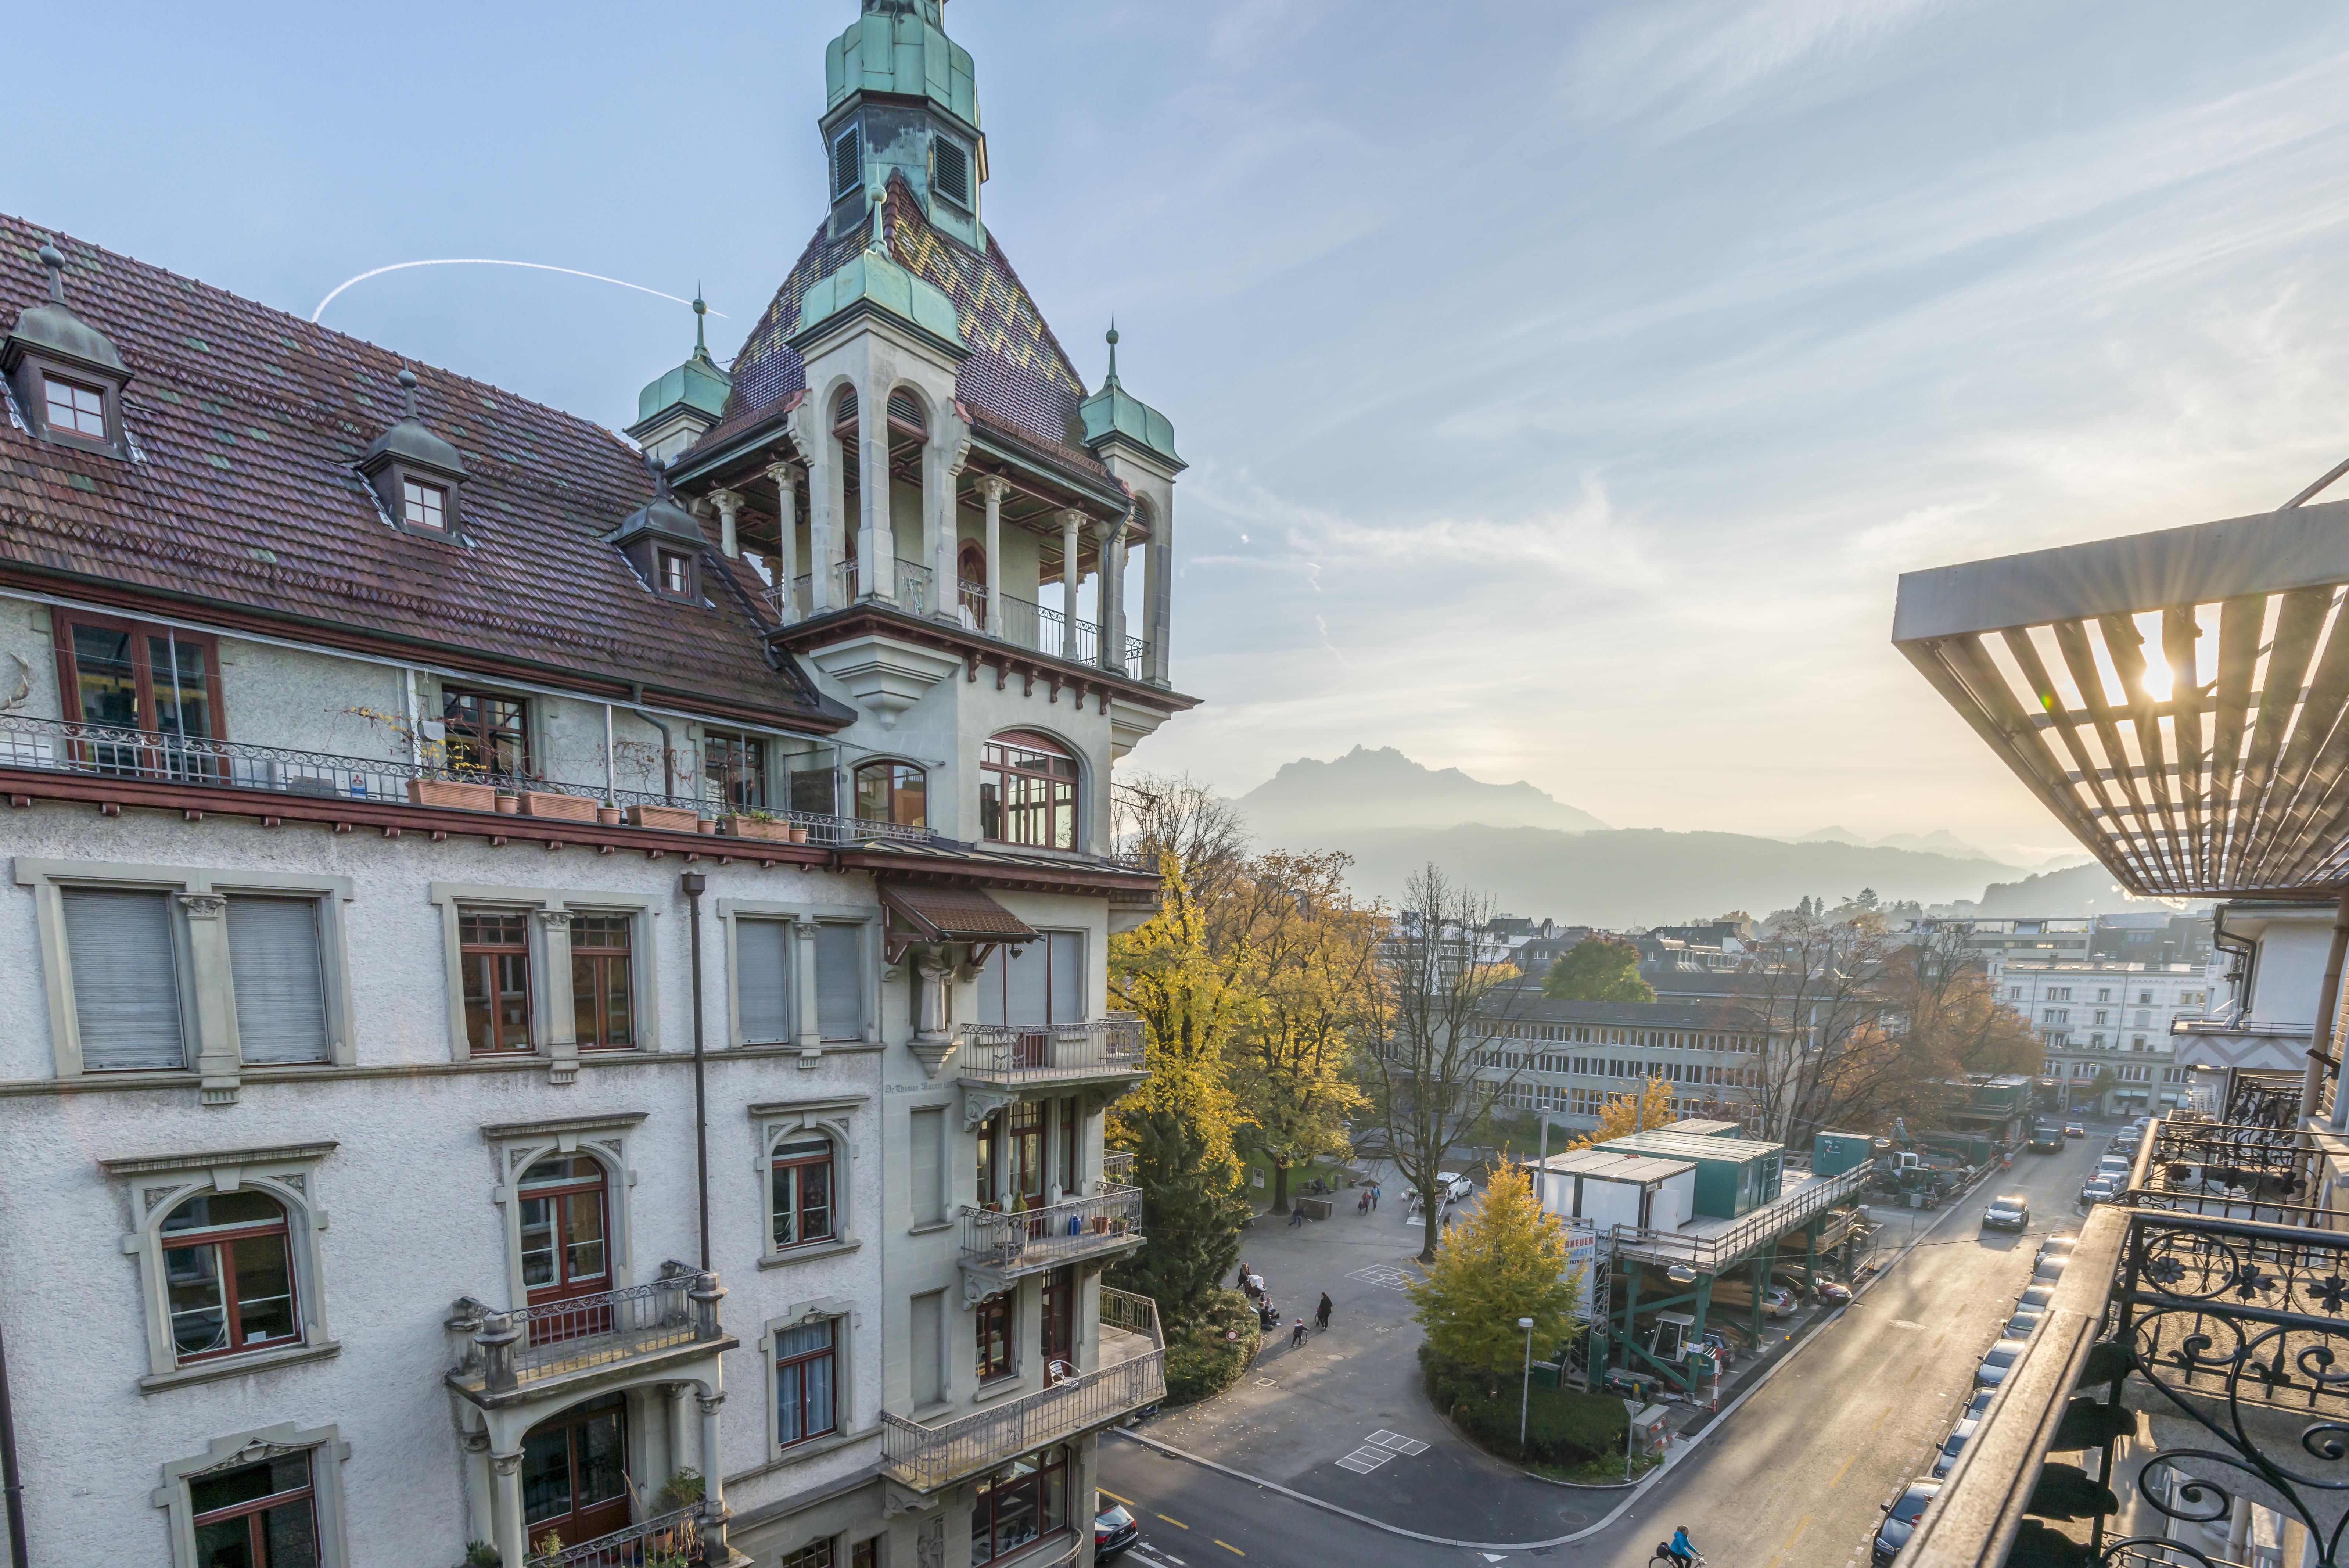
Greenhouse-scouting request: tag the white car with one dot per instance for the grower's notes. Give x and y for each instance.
(1453, 1185)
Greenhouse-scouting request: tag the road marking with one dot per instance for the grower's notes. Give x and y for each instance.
(1789, 1542)
(1230, 1548)
(1879, 1420)
(1912, 1376)
(1937, 1340)
(1839, 1474)
(1175, 1522)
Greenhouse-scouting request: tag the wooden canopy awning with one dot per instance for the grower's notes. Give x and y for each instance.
(953, 914)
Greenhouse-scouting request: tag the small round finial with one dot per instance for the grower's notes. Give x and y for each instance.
(406, 378)
(52, 257)
(1112, 337)
(700, 307)
(55, 260)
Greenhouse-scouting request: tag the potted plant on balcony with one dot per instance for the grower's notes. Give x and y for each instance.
(609, 815)
(756, 824)
(509, 804)
(672, 818)
(425, 745)
(552, 803)
(462, 794)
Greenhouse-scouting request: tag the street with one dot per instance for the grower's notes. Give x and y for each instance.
(1794, 1478)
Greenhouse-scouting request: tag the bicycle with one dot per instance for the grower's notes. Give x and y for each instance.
(1664, 1559)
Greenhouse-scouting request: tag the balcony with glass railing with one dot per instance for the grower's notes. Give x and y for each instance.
(548, 1351)
(1018, 1056)
(1130, 1376)
(2184, 1400)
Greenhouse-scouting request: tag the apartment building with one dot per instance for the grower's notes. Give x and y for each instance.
(1570, 1058)
(555, 1013)
(2097, 1015)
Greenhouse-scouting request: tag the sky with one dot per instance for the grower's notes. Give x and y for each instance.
(1564, 385)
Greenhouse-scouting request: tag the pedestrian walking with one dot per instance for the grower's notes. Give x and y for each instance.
(1296, 1218)
(1297, 1334)
(1243, 1281)
(1362, 1204)
(1374, 1196)
(1321, 1313)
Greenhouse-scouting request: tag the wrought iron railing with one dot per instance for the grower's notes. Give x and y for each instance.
(510, 1349)
(666, 1540)
(911, 591)
(1044, 1053)
(1117, 1167)
(54, 745)
(2219, 1304)
(928, 1458)
(1052, 1234)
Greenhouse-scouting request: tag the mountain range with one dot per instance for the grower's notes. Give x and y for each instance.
(1538, 856)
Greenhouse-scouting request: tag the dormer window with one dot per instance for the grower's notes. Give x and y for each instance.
(424, 506)
(75, 409)
(676, 575)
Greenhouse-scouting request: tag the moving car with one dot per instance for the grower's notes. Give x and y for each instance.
(1900, 1517)
(2100, 1190)
(1453, 1185)
(2009, 1211)
(1952, 1445)
(1996, 1360)
(2046, 1138)
(2074, 1129)
(1114, 1532)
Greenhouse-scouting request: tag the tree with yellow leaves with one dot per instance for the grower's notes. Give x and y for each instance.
(1624, 1114)
(1505, 1261)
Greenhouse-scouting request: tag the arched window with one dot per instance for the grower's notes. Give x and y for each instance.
(564, 1248)
(970, 573)
(800, 1187)
(893, 791)
(228, 1272)
(1027, 792)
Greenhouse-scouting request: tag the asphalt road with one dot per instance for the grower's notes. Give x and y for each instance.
(1794, 1479)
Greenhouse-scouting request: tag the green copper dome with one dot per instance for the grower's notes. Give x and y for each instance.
(1114, 412)
(698, 383)
(900, 48)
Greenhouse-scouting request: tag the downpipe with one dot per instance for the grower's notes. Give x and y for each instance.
(11, 1478)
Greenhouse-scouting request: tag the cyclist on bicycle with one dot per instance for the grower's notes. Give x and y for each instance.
(1680, 1550)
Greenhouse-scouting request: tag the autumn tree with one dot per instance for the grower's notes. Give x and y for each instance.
(1178, 1122)
(1310, 953)
(1817, 1001)
(1597, 969)
(1624, 1114)
(1505, 1260)
(1444, 993)
(1177, 814)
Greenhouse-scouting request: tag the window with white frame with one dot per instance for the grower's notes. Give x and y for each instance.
(271, 1496)
(156, 969)
(227, 1253)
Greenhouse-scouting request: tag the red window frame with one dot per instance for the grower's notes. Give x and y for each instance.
(566, 1196)
(1059, 1338)
(603, 994)
(493, 949)
(255, 1511)
(794, 1220)
(1028, 791)
(590, 1518)
(1044, 1483)
(138, 634)
(1023, 1125)
(993, 1320)
(222, 1242)
(970, 574)
(802, 1391)
(485, 734)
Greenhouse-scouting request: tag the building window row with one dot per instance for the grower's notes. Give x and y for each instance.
(1620, 1067)
(1576, 1034)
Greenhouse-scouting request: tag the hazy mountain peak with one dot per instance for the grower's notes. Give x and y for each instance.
(1309, 799)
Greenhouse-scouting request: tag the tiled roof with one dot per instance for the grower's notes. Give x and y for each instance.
(1622, 1014)
(955, 914)
(1016, 382)
(248, 421)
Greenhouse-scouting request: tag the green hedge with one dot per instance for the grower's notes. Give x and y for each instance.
(1563, 1426)
(1200, 1362)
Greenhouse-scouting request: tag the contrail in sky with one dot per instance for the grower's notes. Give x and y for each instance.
(491, 261)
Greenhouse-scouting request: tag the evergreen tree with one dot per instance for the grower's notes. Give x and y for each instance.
(1597, 969)
(1505, 1261)
(1191, 1212)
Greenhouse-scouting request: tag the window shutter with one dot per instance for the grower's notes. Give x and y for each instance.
(847, 161)
(1026, 984)
(839, 982)
(929, 1169)
(1068, 977)
(763, 982)
(991, 985)
(126, 979)
(275, 964)
(952, 166)
(929, 1340)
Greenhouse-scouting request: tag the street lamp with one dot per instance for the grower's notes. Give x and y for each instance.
(1525, 1394)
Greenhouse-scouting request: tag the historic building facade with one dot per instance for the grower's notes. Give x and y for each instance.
(555, 1012)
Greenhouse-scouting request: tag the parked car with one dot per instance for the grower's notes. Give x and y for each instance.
(2099, 1191)
(2074, 1129)
(2022, 1325)
(1996, 1360)
(1737, 1296)
(2047, 1272)
(2009, 1211)
(1827, 1290)
(1114, 1532)
(2056, 1246)
(1453, 1185)
(1980, 1402)
(2037, 1299)
(1900, 1517)
(1952, 1445)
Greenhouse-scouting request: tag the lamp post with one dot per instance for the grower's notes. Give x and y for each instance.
(1525, 1394)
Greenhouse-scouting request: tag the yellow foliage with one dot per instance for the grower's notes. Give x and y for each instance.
(1189, 1003)
(1623, 1115)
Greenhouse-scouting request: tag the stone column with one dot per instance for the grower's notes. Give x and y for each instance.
(1072, 523)
(505, 1510)
(554, 999)
(680, 1401)
(1108, 548)
(713, 1463)
(827, 508)
(993, 490)
(206, 914)
(876, 538)
(787, 524)
(810, 1021)
(1158, 590)
(728, 503)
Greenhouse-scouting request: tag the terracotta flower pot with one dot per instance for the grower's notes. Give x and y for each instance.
(567, 807)
(511, 805)
(752, 827)
(609, 815)
(453, 793)
(705, 824)
(799, 835)
(670, 818)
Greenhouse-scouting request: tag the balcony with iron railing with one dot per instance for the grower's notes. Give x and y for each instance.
(672, 1540)
(553, 1349)
(99, 753)
(1004, 1247)
(1016, 1057)
(2189, 1363)
(1131, 1375)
